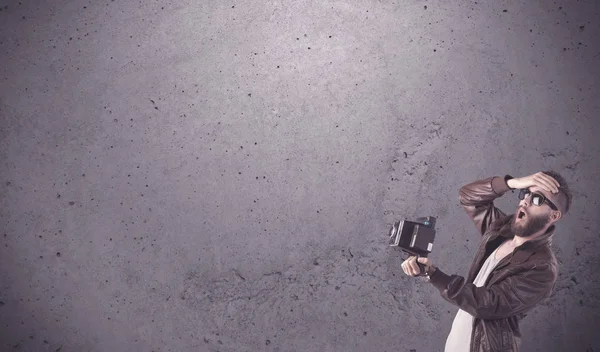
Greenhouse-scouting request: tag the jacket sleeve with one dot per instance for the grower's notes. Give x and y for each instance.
(477, 198)
(514, 295)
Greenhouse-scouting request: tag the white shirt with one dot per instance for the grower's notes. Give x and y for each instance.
(459, 339)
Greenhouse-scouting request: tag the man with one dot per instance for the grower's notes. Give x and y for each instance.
(514, 268)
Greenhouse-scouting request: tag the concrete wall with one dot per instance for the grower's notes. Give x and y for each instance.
(222, 176)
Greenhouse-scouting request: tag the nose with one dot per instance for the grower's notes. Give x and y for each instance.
(525, 200)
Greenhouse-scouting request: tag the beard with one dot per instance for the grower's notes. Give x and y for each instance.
(529, 226)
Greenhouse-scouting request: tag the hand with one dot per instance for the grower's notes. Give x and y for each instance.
(540, 179)
(411, 268)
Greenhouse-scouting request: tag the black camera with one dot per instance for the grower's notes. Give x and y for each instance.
(414, 237)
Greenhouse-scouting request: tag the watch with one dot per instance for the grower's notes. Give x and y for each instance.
(429, 272)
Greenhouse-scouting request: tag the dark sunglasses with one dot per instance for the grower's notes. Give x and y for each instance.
(536, 198)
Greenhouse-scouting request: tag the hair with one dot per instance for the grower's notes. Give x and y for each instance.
(564, 193)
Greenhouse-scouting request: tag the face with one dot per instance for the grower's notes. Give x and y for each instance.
(538, 218)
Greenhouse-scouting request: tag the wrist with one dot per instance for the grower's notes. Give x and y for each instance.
(511, 183)
(429, 270)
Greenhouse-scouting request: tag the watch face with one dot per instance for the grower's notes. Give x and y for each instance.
(430, 270)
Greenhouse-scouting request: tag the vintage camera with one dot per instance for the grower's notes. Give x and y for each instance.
(414, 237)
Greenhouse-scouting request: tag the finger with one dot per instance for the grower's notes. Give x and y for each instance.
(542, 182)
(545, 184)
(408, 267)
(556, 183)
(549, 186)
(550, 178)
(554, 188)
(415, 266)
(552, 183)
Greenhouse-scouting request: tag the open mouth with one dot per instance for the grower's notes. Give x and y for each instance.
(521, 215)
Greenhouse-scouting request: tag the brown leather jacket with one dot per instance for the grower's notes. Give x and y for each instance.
(520, 280)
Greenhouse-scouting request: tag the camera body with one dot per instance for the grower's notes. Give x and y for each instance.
(414, 237)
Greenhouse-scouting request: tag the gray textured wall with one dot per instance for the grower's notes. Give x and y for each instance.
(177, 176)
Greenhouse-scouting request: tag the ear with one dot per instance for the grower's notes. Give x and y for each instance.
(555, 215)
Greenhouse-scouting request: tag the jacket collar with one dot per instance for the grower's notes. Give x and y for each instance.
(524, 251)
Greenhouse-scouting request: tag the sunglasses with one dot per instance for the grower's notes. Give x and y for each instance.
(536, 198)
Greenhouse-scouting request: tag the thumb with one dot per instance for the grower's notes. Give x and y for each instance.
(423, 260)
